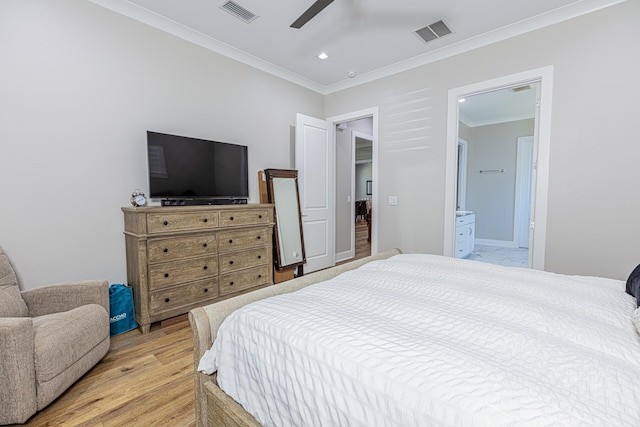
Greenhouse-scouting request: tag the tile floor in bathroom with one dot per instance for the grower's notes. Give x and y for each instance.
(512, 257)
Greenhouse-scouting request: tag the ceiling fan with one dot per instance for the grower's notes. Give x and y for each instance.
(310, 13)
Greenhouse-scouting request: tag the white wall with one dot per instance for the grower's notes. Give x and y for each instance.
(79, 87)
(593, 203)
(492, 195)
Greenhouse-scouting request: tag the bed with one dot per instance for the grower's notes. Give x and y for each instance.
(417, 340)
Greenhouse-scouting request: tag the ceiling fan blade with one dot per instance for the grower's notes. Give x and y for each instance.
(315, 9)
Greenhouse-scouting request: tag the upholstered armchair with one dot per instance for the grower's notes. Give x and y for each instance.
(49, 338)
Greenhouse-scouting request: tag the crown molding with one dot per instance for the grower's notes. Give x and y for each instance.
(555, 16)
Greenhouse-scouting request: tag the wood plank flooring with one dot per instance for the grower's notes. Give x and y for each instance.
(363, 247)
(144, 380)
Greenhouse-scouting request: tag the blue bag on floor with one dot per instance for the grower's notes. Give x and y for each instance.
(121, 314)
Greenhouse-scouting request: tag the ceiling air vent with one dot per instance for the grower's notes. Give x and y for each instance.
(238, 11)
(433, 31)
(520, 88)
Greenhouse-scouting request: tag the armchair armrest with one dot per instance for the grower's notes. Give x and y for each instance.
(66, 296)
(18, 379)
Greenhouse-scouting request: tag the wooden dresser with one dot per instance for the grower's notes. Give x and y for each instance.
(183, 257)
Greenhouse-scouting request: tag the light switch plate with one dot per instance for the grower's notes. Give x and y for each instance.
(393, 200)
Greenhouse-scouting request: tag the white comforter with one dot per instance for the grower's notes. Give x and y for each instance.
(423, 340)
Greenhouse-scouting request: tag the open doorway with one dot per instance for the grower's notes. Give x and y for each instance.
(354, 189)
(315, 160)
(543, 77)
(495, 147)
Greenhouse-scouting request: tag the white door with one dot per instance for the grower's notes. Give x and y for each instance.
(315, 152)
(524, 165)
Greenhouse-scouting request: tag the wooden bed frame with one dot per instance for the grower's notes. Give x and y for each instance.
(213, 406)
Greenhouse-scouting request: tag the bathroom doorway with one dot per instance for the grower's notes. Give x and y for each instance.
(489, 167)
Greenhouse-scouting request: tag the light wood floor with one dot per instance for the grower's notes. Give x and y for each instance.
(363, 246)
(144, 380)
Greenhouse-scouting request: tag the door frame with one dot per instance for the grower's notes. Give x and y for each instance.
(348, 117)
(461, 190)
(540, 189)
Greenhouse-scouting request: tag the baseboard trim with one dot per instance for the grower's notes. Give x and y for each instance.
(342, 256)
(501, 243)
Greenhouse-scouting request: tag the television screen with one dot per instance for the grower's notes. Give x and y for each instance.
(191, 168)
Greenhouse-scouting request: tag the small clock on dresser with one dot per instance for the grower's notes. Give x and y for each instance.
(138, 198)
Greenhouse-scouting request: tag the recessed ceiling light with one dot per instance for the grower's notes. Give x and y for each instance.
(461, 100)
(323, 56)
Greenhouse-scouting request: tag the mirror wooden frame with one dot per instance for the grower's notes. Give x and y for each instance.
(280, 228)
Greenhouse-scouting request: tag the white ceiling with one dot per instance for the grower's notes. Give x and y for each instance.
(374, 38)
(498, 106)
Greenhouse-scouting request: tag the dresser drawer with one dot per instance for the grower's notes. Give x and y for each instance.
(168, 222)
(232, 240)
(163, 250)
(170, 298)
(463, 232)
(465, 219)
(234, 282)
(172, 273)
(244, 217)
(245, 259)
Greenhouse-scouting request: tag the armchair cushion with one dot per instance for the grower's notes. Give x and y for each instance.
(63, 338)
(18, 391)
(11, 303)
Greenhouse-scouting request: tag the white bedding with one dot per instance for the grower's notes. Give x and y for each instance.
(424, 340)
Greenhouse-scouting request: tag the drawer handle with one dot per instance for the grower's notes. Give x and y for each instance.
(230, 283)
(165, 250)
(205, 267)
(204, 245)
(166, 300)
(230, 262)
(205, 220)
(259, 237)
(259, 276)
(206, 289)
(259, 256)
(165, 222)
(166, 274)
(230, 241)
(231, 218)
(260, 216)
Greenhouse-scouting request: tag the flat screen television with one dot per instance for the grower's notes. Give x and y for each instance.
(183, 168)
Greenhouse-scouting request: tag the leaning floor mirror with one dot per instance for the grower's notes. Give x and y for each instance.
(282, 187)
